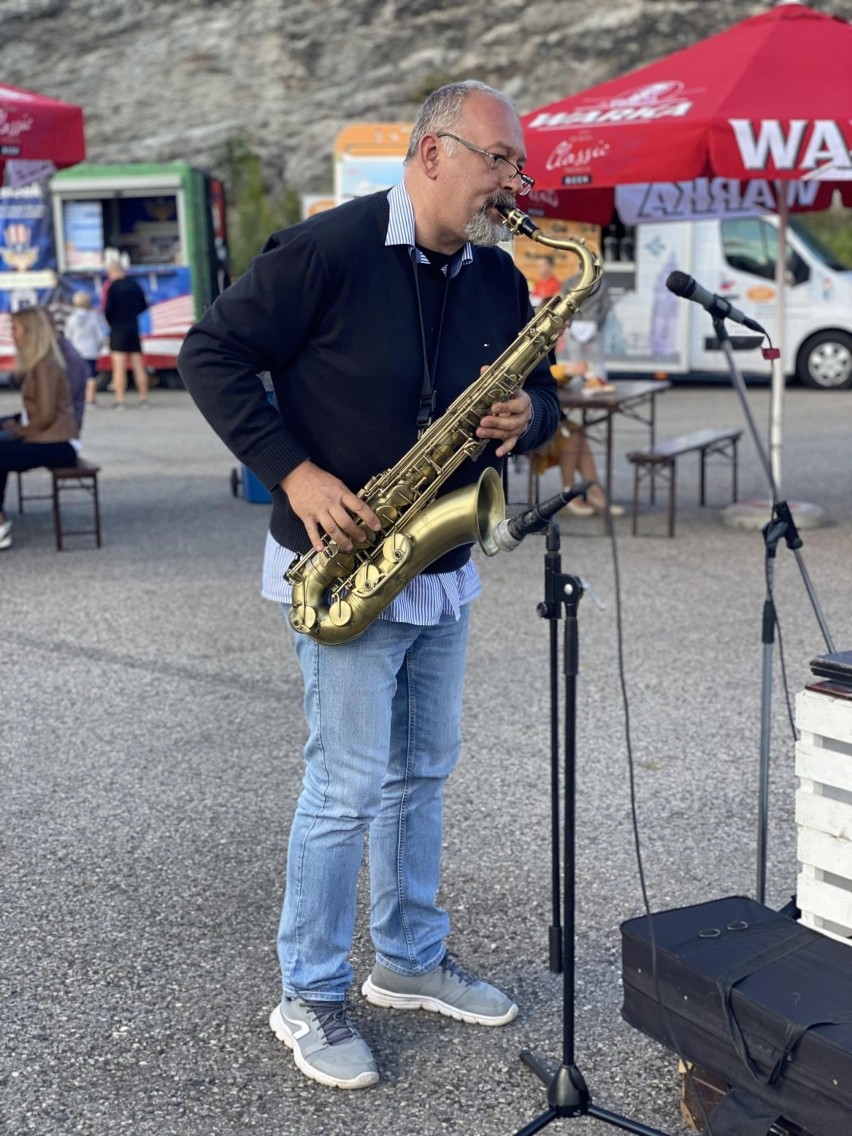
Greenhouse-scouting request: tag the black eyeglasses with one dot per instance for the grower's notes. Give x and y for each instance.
(526, 182)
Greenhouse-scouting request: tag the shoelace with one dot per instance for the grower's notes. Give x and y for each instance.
(333, 1021)
(449, 964)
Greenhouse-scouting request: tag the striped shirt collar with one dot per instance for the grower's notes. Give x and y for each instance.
(401, 229)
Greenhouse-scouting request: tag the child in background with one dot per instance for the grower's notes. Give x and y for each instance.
(85, 331)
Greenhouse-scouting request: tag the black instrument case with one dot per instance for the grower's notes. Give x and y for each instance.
(755, 997)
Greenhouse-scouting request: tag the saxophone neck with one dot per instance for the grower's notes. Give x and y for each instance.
(519, 223)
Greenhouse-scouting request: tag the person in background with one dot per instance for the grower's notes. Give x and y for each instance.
(76, 370)
(371, 318)
(569, 449)
(582, 341)
(125, 302)
(546, 284)
(43, 434)
(85, 332)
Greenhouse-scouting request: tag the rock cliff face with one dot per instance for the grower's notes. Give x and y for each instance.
(167, 79)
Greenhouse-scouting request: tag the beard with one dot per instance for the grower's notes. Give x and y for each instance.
(481, 230)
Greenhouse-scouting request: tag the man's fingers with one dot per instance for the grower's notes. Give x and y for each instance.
(506, 448)
(362, 509)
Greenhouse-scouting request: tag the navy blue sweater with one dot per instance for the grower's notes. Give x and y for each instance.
(332, 314)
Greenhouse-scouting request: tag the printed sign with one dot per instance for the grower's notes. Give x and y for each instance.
(714, 197)
(368, 157)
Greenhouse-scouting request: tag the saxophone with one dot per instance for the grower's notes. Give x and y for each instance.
(337, 594)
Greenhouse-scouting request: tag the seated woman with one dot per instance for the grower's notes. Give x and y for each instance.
(569, 449)
(42, 434)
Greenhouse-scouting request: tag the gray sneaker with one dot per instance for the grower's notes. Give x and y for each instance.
(326, 1045)
(448, 990)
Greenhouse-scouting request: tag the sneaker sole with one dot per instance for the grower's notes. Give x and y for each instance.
(379, 997)
(279, 1028)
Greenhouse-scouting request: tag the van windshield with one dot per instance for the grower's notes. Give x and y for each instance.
(819, 249)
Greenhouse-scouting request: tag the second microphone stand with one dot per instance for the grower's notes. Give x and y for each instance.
(780, 526)
(567, 1094)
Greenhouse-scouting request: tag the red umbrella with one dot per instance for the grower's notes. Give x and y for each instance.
(36, 128)
(769, 99)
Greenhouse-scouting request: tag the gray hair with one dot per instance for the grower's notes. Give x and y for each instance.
(443, 108)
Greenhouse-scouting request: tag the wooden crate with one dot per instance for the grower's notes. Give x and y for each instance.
(824, 812)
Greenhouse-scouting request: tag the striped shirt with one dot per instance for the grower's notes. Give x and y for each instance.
(429, 595)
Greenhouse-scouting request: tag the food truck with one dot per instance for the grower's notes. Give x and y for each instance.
(169, 220)
(713, 230)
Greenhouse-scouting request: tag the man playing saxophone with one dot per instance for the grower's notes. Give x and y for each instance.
(372, 319)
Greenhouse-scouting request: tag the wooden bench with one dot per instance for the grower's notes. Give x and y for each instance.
(68, 481)
(661, 459)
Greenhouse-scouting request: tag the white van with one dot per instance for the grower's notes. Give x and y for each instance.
(649, 330)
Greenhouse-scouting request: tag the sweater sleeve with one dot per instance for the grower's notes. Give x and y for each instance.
(257, 324)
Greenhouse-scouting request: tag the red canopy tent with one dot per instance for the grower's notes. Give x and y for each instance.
(768, 99)
(34, 128)
(37, 136)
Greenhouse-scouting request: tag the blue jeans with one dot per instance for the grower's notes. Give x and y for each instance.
(383, 715)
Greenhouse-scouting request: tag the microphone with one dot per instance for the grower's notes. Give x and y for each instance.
(508, 534)
(718, 307)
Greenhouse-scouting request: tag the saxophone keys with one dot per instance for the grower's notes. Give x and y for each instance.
(387, 514)
(367, 579)
(397, 548)
(303, 617)
(339, 613)
(401, 494)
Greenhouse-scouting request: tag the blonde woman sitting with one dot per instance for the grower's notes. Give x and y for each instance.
(42, 434)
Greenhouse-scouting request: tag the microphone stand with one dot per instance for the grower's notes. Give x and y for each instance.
(567, 1094)
(780, 525)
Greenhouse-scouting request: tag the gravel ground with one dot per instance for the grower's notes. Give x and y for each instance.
(151, 759)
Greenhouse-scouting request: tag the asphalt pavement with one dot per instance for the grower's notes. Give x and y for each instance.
(151, 757)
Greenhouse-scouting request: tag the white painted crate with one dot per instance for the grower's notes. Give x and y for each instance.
(824, 812)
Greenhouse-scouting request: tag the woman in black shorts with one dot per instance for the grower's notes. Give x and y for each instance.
(125, 302)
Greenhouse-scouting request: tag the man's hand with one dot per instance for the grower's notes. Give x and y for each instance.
(324, 505)
(507, 421)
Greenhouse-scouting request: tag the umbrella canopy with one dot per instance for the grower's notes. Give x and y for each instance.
(35, 128)
(768, 100)
(770, 97)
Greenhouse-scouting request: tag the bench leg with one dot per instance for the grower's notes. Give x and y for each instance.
(635, 499)
(702, 480)
(97, 512)
(88, 485)
(57, 516)
(672, 467)
(734, 468)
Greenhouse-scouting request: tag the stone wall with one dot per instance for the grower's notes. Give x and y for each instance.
(168, 79)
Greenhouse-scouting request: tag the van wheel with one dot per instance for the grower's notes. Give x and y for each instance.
(825, 361)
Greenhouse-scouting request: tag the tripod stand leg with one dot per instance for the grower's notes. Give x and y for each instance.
(539, 1123)
(622, 1122)
(567, 1094)
(544, 1072)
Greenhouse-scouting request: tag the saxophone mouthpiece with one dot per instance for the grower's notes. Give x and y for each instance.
(516, 221)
